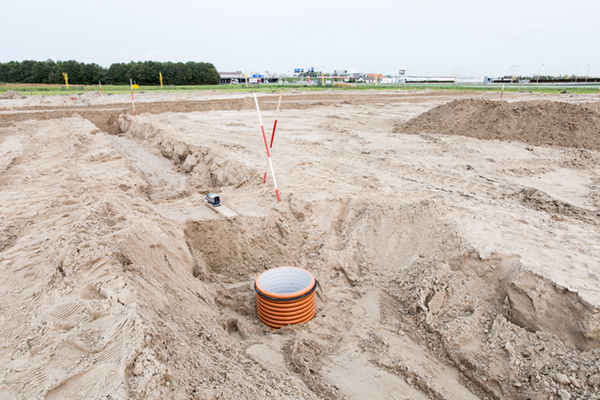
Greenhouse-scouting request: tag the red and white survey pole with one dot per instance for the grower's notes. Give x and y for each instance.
(262, 128)
(132, 100)
(101, 94)
(273, 134)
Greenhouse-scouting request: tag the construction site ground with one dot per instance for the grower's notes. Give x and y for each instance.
(454, 237)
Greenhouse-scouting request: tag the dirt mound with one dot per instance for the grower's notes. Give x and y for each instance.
(94, 95)
(12, 95)
(535, 122)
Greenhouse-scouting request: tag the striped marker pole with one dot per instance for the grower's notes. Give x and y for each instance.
(132, 100)
(101, 94)
(262, 128)
(273, 134)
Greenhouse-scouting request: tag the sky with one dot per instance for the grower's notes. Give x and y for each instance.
(426, 38)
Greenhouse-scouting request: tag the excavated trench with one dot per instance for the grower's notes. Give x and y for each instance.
(255, 244)
(452, 301)
(459, 306)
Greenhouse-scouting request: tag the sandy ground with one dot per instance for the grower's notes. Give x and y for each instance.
(450, 267)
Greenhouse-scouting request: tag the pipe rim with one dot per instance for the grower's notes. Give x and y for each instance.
(290, 300)
(299, 273)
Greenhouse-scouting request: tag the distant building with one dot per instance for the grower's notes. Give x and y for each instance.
(471, 79)
(391, 80)
(231, 77)
(372, 77)
(253, 77)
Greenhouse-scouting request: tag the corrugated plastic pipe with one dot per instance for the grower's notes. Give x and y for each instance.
(285, 296)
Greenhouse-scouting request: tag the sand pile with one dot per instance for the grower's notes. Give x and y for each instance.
(12, 95)
(93, 95)
(534, 122)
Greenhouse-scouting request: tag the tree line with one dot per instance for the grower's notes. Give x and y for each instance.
(141, 72)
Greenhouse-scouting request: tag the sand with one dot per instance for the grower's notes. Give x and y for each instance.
(536, 122)
(449, 266)
(11, 94)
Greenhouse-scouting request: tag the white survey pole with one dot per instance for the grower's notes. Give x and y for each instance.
(262, 128)
(132, 100)
(274, 126)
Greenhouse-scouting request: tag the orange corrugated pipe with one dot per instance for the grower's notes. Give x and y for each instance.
(285, 296)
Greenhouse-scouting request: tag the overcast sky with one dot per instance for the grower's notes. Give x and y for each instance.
(423, 37)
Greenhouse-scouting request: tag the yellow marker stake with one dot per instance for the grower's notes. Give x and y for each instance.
(376, 79)
(160, 74)
(246, 77)
(66, 79)
(323, 78)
